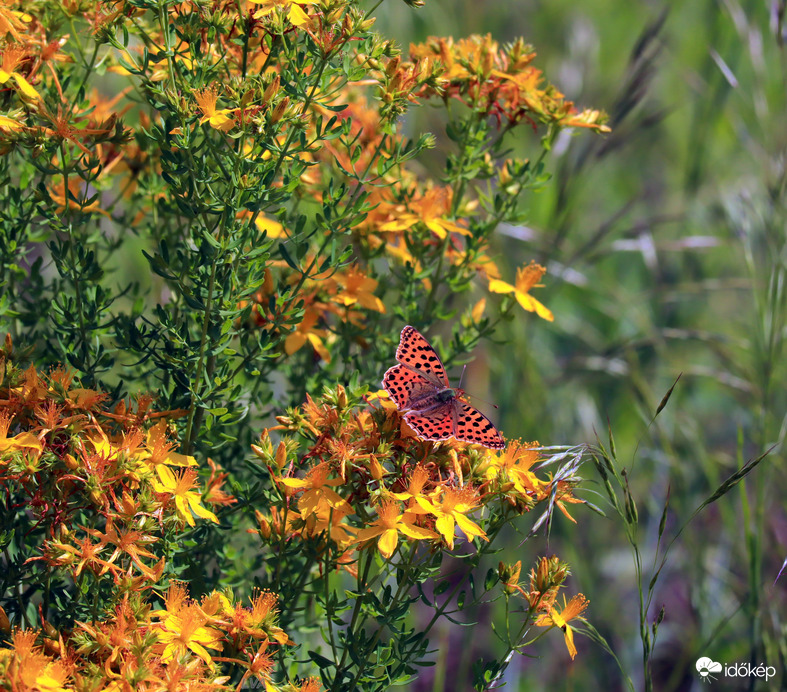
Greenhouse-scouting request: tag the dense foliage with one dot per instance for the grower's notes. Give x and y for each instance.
(239, 232)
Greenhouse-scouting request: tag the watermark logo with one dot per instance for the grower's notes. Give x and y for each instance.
(709, 670)
(706, 667)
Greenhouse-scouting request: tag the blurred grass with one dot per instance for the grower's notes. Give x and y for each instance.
(666, 247)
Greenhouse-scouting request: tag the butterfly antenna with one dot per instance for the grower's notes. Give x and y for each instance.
(484, 400)
(462, 377)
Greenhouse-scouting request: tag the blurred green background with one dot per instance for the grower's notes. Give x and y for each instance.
(665, 244)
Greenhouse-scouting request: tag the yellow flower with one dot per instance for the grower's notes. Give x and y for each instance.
(181, 486)
(217, 119)
(429, 210)
(387, 526)
(478, 310)
(526, 278)
(305, 332)
(587, 118)
(295, 14)
(12, 22)
(514, 463)
(185, 630)
(273, 228)
(358, 288)
(158, 451)
(415, 487)
(573, 609)
(32, 668)
(383, 397)
(24, 440)
(328, 521)
(13, 57)
(455, 503)
(8, 123)
(318, 495)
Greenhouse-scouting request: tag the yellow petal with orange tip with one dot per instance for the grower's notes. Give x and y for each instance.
(498, 286)
(9, 124)
(532, 305)
(273, 228)
(297, 16)
(388, 541)
(199, 510)
(401, 224)
(295, 482)
(319, 347)
(294, 342)
(25, 88)
(118, 69)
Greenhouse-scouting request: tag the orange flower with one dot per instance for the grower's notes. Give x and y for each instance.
(71, 199)
(509, 576)
(502, 82)
(218, 119)
(526, 278)
(77, 557)
(181, 487)
(13, 57)
(573, 609)
(214, 493)
(454, 504)
(358, 289)
(387, 526)
(429, 210)
(63, 128)
(317, 495)
(295, 14)
(306, 333)
(129, 542)
(30, 668)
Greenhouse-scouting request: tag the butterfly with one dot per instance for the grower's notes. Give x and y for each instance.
(419, 387)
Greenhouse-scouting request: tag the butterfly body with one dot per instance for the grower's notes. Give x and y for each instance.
(419, 387)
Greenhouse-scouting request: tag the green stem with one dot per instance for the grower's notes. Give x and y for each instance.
(191, 429)
(404, 585)
(351, 628)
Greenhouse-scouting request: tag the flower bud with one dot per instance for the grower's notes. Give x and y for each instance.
(278, 112)
(281, 456)
(341, 397)
(264, 524)
(271, 90)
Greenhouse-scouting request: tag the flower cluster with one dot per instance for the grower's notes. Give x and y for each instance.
(101, 482)
(179, 646)
(366, 490)
(345, 296)
(502, 82)
(546, 580)
(252, 157)
(368, 479)
(330, 143)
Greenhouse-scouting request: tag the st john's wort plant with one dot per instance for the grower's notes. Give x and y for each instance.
(241, 224)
